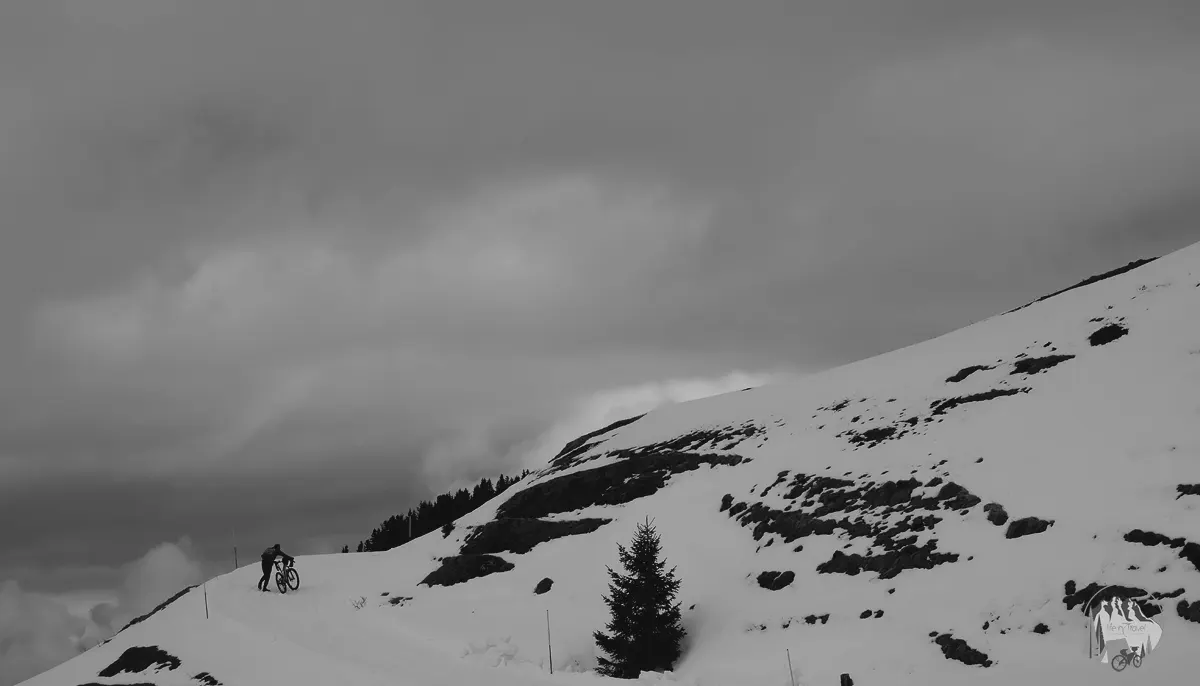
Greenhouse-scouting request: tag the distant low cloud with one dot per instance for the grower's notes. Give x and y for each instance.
(602, 408)
(39, 630)
(36, 633)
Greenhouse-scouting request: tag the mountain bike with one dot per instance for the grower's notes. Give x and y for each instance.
(1124, 658)
(286, 575)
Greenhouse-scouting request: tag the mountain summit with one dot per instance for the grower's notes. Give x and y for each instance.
(938, 515)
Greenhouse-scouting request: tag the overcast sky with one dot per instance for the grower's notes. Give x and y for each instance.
(286, 266)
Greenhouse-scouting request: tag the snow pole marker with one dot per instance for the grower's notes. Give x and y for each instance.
(549, 649)
(791, 674)
(206, 600)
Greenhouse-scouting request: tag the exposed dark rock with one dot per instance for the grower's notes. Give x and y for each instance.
(207, 679)
(778, 480)
(1041, 629)
(161, 606)
(1034, 365)
(1107, 334)
(577, 447)
(878, 614)
(139, 659)
(458, 569)
(872, 437)
(520, 535)
(865, 614)
(889, 564)
(1027, 526)
(447, 528)
(1187, 489)
(996, 513)
(543, 586)
(613, 484)
(1188, 611)
(942, 406)
(813, 619)
(1186, 549)
(957, 498)
(967, 371)
(774, 581)
(399, 600)
(1080, 597)
(957, 649)
(726, 501)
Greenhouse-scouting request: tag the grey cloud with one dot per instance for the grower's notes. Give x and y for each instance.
(347, 255)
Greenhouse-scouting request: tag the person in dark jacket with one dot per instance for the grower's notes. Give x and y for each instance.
(268, 561)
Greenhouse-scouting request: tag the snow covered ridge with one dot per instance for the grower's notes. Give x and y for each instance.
(937, 515)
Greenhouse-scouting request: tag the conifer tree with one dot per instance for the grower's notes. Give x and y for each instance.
(645, 628)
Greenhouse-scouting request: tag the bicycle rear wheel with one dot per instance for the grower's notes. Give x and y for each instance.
(293, 578)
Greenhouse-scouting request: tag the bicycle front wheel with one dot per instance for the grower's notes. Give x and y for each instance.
(293, 578)
(1119, 662)
(281, 583)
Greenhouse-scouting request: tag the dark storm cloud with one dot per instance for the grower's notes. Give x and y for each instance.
(363, 250)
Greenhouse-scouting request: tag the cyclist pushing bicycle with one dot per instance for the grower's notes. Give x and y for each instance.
(268, 560)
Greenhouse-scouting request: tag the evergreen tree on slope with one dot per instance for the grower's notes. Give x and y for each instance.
(645, 628)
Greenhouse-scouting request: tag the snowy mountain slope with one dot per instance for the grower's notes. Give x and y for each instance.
(976, 487)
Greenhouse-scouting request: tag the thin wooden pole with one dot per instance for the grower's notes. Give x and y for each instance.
(206, 600)
(549, 649)
(791, 674)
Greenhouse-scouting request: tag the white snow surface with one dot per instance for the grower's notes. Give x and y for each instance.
(1098, 445)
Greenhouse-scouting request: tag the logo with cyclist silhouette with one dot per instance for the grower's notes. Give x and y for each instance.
(1121, 633)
